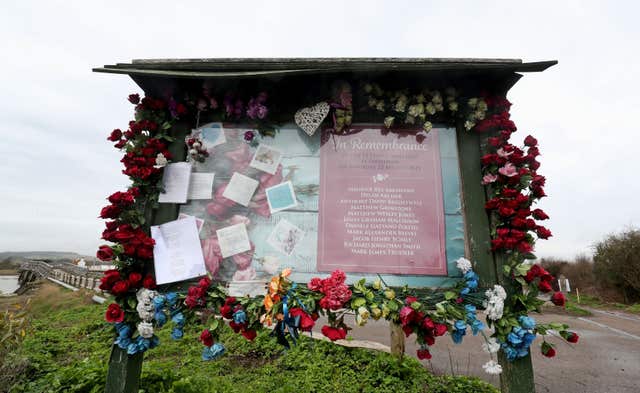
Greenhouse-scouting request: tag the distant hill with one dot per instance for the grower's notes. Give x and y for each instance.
(11, 259)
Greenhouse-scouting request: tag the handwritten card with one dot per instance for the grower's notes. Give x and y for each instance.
(233, 240)
(266, 159)
(200, 186)
(177, 254)
(175, 181)
(240, 189)
(285, 237)
(199, 221)
(281, 197)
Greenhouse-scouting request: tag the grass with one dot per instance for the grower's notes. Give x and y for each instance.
(67, 350)
(596, 302)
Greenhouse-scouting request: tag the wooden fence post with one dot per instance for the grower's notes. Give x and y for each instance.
(397, 340)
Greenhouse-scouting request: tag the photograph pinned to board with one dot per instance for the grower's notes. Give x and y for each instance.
(175, 183)
(199, 221)
(212, 135)
(281, 197)
(233, 240)
(177, 254)
(285, 237)
(200, 185)
(240, 189)
(266, 159)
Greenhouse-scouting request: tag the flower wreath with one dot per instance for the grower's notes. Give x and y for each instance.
(509, 173)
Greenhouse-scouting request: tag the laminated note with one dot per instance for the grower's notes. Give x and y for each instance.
(177, 254)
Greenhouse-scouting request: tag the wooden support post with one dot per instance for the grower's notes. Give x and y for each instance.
(397, 340)
(517, 376)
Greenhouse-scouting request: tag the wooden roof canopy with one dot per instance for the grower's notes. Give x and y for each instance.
(157, 75)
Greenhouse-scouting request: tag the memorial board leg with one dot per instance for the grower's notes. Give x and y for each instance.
(124, 371)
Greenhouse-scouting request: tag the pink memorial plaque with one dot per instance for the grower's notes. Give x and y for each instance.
(381, 208)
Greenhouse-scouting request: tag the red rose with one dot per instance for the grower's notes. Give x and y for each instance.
(149, 282)
(530, 141)
(494, 141)
(543, 233)
(572, 337)
(105, 253)
(109, 278)
(429, 340)
(134, 98)
(120, 287)
(440, 329)
(506, 211)
(191, 301)
(206, 337)
(539, 214)
(410, 299)
(204, 282)
(114, 313)
(428, 324)
(524, 247)
(544, 286)
(110, 211)
(334, 334)
(550, 352)
(424, 353)
(236, 327)
(115, 135)
(407, 315)
(558, 299)
(249, 334)
(226, 311)
(306, 321)
(135, 280)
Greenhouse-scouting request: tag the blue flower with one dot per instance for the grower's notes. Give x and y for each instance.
(178, 319)
(123, 342)
(160, 317)
(522, 352)
(476, 326)
(132, 349)
(460, 325)
(473, 284)
(528, 339)
(514, 339)
(172, 298)
(465, 291)
(124, 331)
(240, 317)
(213, 352)
(471, 276)
(177, 333)
(511, 353)
(158, 302)
(470, 308)
(457, 336)
(527, 322)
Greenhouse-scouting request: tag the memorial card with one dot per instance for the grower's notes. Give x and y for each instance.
(266, 159)
(177, 254)
(233, 240)
(281, 197)
(175, 181)
(200, 186)
(285, 237)
(240, 189)
(212, 135)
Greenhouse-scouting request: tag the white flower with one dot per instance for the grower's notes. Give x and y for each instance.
(491, 345)
(492, 367)
(469, 125)
(161, 161)
(196, 144)
(145, 329)
(464, 265)
(499, 292)
(427, 126)
(494, 305)
(271, 264)
(193, 152)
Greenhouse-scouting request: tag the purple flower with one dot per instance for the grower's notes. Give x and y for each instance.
(249, 135)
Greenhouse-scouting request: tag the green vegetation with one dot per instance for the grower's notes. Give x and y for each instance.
(596, 302)
(616, 263)
(67, 350)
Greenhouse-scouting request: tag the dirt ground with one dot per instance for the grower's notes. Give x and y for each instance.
(606, 359)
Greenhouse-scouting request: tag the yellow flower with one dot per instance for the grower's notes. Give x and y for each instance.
(377, 284)
(390, 294)
(376, 313)
(427, 126)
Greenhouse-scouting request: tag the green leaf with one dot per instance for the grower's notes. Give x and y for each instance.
(450, 295)
(507, 270)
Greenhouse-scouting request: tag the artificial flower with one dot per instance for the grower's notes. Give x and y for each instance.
(114, 313)
(334, 334)
(492, 367)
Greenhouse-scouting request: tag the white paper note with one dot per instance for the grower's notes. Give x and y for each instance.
(200, 186)
(233, 240)
(240, 189)
(175, 180)
(199, 221)
(177, 254)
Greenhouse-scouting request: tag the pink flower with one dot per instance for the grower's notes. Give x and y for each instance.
(508, 170)
(245, 275)
(489, 178)
(502, 153)
(212, 254)
(240, 157)
(243, 261)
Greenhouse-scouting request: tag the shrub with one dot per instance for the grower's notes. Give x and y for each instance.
(617, 263)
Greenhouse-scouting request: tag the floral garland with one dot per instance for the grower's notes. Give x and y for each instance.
(290, 308)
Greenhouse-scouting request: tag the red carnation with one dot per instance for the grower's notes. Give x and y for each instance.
(204, 282)
(334, 334)
(428, 324)
(558, 299)
(149, 282)
(424, 353)
(105, 253)
(549, 352)
(544, 286)
(191, 301)
(249, 334)
(539, 214)
(306, 321)
(572, 337)
(114, 313)
(440, 329)
(135, 280)
(226, 311)
(206, 337)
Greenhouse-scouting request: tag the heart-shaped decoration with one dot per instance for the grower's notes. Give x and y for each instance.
(309, 119)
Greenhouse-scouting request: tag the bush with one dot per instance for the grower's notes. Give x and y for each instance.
(617, 263)
(579, 272)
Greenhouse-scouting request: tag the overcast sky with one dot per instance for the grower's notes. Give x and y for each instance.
(55, 113)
